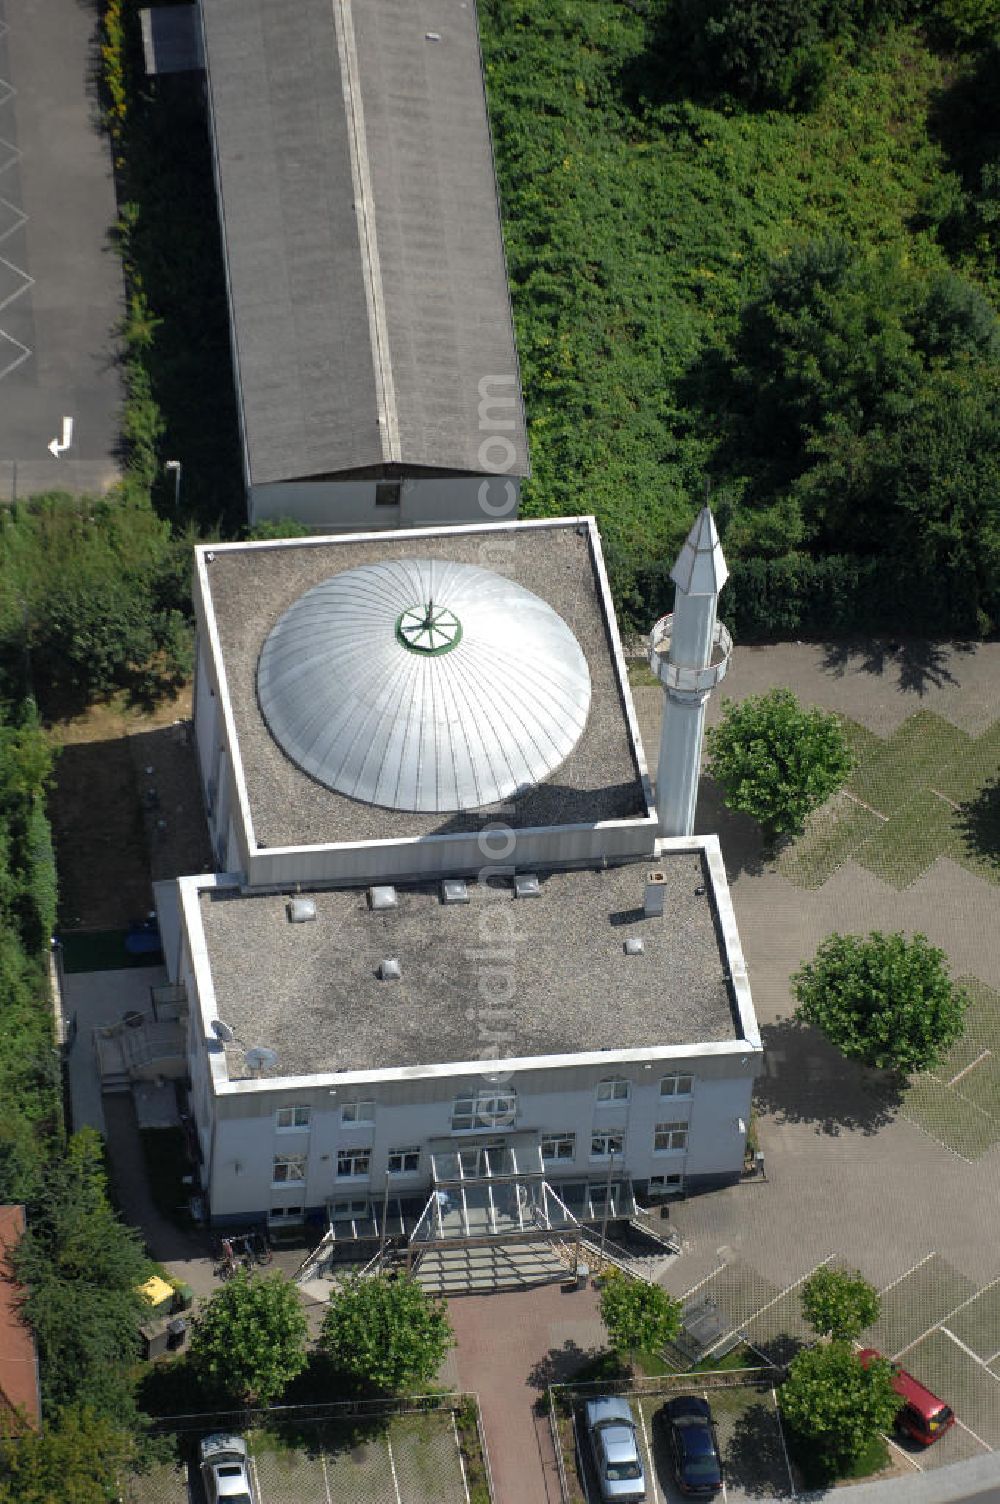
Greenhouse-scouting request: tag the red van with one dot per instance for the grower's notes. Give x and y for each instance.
(923, 1416)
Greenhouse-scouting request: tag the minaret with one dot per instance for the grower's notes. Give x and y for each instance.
(689, 653)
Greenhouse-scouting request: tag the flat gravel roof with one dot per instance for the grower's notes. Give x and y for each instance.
(550, 971)
(251, 587)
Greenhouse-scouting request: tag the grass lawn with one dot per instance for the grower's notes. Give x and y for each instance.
(959, 1103)
(928, 790)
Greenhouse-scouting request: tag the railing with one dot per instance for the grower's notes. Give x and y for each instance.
(643, 1222)
(712, 1378)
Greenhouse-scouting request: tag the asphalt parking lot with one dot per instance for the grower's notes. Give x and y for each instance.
(61, 294)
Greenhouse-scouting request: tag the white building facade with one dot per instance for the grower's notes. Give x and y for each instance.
(386, 780)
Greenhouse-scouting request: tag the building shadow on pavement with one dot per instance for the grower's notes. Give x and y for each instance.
(739, 835)
(808, 1081)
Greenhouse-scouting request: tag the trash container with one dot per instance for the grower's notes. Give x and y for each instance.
(582, 1276)
(176, 1332)
(155, 1339)
(183, 1298)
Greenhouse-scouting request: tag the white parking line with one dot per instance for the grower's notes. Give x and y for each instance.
(256, 1479)
(326, 1478)
(708, 1402)
(916, 1123)
(461, 1459)
(688, 1293)
(649, 1454)
(947, 1317)
(984, 1444)
(781, 1435)
(902, 1452)
(392, 1464)
(970, 1067)
(974, 1356)
(773, 1302)
(918, 1265)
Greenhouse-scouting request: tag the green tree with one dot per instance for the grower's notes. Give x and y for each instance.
(882, 999)
(835, 1408)
(386, 1332)
(82, 1266)
(638, 1317)
(77, 1459)
(249, 1341)
(777, 761)
(838, 1303)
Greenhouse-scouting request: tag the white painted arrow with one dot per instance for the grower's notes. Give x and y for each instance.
(55, 448)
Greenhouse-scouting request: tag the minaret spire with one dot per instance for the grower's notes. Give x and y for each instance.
(689, 653)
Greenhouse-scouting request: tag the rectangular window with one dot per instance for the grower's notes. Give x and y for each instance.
(616, 1090)
(556, 1146)
(357, 1112)
(404, 1161)
(387, 493)
(293, 1117)
(667, 1136)
(288, 1169)
(603, 1145)
(347, 1211)
(676, 1086)
(285, 1214)
(352, 1162)
(488, 1110)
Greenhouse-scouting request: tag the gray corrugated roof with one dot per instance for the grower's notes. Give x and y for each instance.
(362, 233)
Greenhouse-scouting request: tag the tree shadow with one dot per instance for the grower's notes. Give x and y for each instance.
(918, 665)
(965, 122)
(978, 821)
(560, 1364)
(809, 1081)
(754, 1457)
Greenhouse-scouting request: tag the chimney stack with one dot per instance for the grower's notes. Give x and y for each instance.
(656, 892)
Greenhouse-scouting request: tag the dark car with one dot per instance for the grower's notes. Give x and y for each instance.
(687, 1428)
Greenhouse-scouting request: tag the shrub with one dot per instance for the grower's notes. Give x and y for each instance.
(776, 761)
(882, 999)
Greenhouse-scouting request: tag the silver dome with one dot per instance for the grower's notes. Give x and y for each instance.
(420, 684)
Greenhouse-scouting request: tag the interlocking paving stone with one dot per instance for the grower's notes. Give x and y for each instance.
(919, 1301)
(957, 1379)
(978, 1324)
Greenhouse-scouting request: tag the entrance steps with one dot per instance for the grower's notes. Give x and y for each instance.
(468, 1271)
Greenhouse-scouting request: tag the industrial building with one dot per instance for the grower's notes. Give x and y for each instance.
(451, 952)
(372, 339)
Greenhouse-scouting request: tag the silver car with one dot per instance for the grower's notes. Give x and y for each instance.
(225, 1470)
(614, 1446)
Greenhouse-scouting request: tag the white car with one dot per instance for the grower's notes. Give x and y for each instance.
(225, 1470)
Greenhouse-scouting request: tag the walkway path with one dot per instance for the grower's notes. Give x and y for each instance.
(510, 1348)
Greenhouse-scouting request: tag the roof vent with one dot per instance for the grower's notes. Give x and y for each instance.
(382, 896)
(454, 890)
(390, 970)
(634, 946)
(656, 892)
(526, 885)
(301, 909)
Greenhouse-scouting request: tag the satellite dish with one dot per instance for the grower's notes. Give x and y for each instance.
(222, 1031)
(260, 1058)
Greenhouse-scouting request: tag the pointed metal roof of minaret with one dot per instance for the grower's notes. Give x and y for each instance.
(700, 567)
